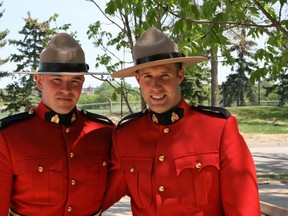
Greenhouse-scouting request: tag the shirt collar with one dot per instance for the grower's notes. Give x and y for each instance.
(61, 119)
(168, 117)
(55, 118)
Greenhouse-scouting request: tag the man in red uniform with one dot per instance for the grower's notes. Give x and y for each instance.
(179, 160)
(53, 159)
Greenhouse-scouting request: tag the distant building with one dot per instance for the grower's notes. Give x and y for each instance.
(88, 90)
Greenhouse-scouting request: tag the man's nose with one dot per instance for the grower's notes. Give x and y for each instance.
(66, 87)
(156, 83)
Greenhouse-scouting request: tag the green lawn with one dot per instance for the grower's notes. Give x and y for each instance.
(2, 115)
(264, 119)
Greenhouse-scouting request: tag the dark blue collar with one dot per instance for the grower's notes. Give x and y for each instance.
(168, 117)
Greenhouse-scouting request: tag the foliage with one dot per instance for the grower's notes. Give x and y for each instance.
(272, 96)
(194, 87)
(237, 87)
(280, 88)
(107, 92)
(88, 98)
(3, 42)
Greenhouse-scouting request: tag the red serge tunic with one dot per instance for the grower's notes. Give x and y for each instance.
(52, 169)
(198, 166)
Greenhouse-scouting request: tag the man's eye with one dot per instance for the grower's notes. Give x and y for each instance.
(57, 79)
(147, 76)
(76, 82)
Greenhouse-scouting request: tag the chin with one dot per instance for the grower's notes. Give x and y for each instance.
(157, 109)
(64, 110)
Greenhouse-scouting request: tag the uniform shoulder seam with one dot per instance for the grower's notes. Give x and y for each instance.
(130, 117)
(224, 113)
(96, 117)
(15, 118)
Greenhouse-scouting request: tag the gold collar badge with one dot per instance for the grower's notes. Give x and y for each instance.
(73, 118)
(55, 119)
(155, 119)
(174, 117)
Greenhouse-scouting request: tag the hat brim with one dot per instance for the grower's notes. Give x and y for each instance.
(63, 73)
(130, 71)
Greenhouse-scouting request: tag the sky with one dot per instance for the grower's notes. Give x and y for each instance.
(79, 13)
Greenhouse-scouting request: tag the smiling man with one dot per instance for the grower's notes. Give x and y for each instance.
(53, 159)
(179, 159)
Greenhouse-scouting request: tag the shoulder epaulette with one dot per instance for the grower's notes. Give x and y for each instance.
(15, 118)
(97, 117)
(130, 117)
(217, 110)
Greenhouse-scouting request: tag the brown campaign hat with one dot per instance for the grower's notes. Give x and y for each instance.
(64, 56)
(155, 48)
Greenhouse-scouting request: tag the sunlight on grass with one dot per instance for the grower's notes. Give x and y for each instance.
(265, 119)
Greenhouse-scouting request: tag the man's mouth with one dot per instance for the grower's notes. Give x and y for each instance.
(157, 96)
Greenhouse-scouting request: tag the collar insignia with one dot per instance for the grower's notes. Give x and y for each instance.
(168, 117)
(174, 117)
(61, 119)
(73, 118)
(155, 119)
(55, 119)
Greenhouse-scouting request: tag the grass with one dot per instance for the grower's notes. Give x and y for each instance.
(271, 178)
(263, 119)
(2, 115)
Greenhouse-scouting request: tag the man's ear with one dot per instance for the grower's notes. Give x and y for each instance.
(38, 80)
(181, 75)
(137, 76)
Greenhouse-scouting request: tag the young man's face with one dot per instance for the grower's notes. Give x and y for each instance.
(60, 92)
(160, 86)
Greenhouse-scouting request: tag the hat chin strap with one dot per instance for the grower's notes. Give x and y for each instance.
(63, 67)
(158, 57)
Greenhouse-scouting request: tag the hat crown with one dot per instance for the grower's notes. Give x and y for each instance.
(153, 42)
(63, 49)
(154, 48)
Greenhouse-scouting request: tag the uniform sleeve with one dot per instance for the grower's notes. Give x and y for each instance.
(116, 185)
(239, 189)
(6, 176)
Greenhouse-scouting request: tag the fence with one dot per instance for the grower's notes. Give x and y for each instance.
(111, 107)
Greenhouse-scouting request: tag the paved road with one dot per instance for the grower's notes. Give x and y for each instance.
(270, 159)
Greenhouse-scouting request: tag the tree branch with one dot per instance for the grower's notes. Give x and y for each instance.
(213, 22)
(274, 22)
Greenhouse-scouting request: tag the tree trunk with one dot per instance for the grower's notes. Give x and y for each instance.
(143, 104)
(214, 77)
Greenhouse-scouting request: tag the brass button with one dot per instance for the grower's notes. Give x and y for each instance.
(166, 130)
(161, 158)
(132, 169)
(73, 182)
(40, 169)
(69, 209)
(67, 130)
(104, 163)
(198, 165)
(71, 154)
(161, 188)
